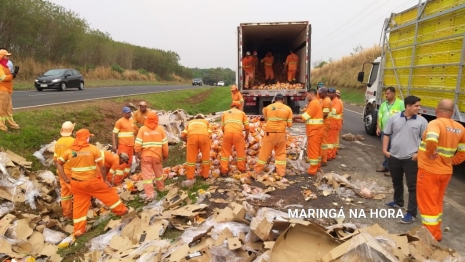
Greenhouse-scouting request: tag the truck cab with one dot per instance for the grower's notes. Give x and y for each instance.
(373, 96)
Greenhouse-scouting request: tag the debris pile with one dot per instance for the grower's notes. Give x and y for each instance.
(350, 137)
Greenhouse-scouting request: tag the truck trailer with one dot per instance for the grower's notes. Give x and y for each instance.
(422, 55)
(278, 38)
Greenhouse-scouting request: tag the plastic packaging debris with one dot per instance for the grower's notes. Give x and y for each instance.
(3, 160)
(68, 241)
(6, 208)
(40, 153)
(192, 232)
(270, 215)
(162, 244)
(102, 241)
(188, 183)
(30, 190)
(234, 227)
(48, 177)
(223, 254)
(53, 236)
(344, 192)
(365, 247)
(134, 164)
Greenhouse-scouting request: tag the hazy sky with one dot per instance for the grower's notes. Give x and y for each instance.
(204, 32)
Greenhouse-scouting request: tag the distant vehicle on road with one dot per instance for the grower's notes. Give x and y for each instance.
(60, 79)
(197, 82)
(220, 83)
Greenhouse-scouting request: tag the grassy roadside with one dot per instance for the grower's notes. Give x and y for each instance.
(29, 85)
(352, 95)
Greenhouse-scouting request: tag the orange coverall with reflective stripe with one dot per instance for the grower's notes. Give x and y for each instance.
(326, 106)
(334, 127)
(116, 172)
(124, 128)
(268, 61)
(6, 104)
(313, 118)
(153, 143)
(86, 183)
(442, 146)
(247, 65)
(63, 144)
(138, 119)
(233, 122)
(198, 132)
(337, 145)
(237, 96)
(278, 116)
(291, 62)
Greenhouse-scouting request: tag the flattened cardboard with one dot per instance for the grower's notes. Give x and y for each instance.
(188, 210)
(19, 160)
(23, 231)
(302, 243)
(18, 197)
(5, 223)
(179, 253)
(364, 239)
(239, 213)
(234, 243)
(37, 242)
(129, 229)
(224, 215)
(120, 243)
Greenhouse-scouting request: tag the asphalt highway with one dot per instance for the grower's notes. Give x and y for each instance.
(34, 98)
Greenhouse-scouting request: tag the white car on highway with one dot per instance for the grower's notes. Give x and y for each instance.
(220, 83)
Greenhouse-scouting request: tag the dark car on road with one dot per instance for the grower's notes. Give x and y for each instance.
(197, 82)
(60, 79)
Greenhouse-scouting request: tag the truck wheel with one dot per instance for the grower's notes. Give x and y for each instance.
(369, 119)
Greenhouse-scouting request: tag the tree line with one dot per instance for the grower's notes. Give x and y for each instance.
(211, 76)
(49, 33)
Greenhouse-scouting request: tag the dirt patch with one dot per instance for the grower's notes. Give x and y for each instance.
(195, 99)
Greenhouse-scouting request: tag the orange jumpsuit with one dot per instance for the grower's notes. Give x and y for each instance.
(6, 104)
(278, 116)
(442, 136)
(125, 129)
(233, 122)
(313, 118)
(268, 61)
(326, 105)
(337, 145)
(138, 119)
(247, 65)
(334, 128)
(198, 132)
(291, 62)
(238, 97)
(86, 183)
(153, 143)
(63, 144)
(116, 172)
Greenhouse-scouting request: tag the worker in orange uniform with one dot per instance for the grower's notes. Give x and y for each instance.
(338, 145)
(278, 116)
(233, 122)
(255, 62)
(63, 144)
(326, 106)
(313, 118)
(6, 89)
(335, 124)
(268, 65)
(197, 135)
(124, 129)
(85, 182)
(139, 116)
(237, 97)
(152, 149)
(247, 65)
(291, 65)
(442, 146)
(114, 166)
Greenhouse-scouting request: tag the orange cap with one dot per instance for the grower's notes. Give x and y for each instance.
(236, 103)
(83, 133)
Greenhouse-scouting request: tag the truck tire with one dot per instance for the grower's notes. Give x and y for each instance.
(369, 118)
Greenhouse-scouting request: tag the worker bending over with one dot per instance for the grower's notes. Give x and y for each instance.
(236, 96)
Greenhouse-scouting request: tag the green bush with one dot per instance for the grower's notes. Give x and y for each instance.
(117, 68)
(143, 71)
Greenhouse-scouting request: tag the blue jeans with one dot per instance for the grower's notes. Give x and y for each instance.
(385, 162)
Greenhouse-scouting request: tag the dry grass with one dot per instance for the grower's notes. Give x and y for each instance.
(343, 72)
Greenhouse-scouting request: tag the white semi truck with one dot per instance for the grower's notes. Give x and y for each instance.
(278, 38)
(423, 55)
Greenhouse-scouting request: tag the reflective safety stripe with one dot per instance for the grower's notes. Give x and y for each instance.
(127, 170)
(232, 121)
(313, 162)
(276, 119)
(225, 159)
(240, 159)
(139, 141)
(314, 122)
(198, 123)
(148, 181)
(55, 154)
(98, 159)
(289, 120)
(115, 130)
(61, 159)
(261, 162)
(279, 162)
(115, 204)
(65, 198)
(306, 116)
(190, 164)
(329, 146)
(126, 134)
(103, 155)
(184, 131)
(246, 123)
(112, 171)
(319, 159)
(336, 116)
(461, 148)
(324, 146)
(83, 169)
(430, 220)
(152, 144)
(242, 100)
(326, 110)
(440, 217)
(119, 173)
(159, 179)
(432, 136)
(207, 162)
(442, 151)
(81, 219)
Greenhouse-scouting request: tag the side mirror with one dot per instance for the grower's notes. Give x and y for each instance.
(360, 77)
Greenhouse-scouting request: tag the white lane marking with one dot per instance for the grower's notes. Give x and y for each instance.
(345, 109)
(90, 99)
(44, 95)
